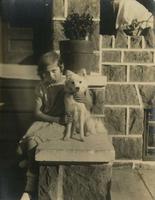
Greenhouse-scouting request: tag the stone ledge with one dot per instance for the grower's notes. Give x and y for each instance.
(29, 72)
(95, 148)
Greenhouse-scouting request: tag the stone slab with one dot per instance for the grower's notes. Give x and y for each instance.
(148, 177)
(95, 148)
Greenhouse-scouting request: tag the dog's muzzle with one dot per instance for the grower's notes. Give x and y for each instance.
(77, 89)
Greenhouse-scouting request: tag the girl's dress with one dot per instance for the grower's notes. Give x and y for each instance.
(51, 97)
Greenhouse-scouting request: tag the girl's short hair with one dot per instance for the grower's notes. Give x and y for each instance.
(48, 58)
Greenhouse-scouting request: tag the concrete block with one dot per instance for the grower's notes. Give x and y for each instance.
(106, 41)
(121, 41)
(57, 34)
(48, 182)
(142, 73)
(147, 93)
(128, 147)
(95, 36)
(136, 121)
(115, 73)
(136, 42)
(138, 57)
(98, 101)
(121, 95)
(58, 8)
(111, 56)
(115, 120)
(68, 181)
(87, 182)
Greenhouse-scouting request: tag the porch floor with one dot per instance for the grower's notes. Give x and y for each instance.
(127, 184)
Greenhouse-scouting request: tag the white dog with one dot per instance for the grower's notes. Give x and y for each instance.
(81, 117)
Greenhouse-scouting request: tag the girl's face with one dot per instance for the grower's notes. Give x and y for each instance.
(53, 73)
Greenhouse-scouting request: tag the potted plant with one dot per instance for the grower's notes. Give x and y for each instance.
(77, 50)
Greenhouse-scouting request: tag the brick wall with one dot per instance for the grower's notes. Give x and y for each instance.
(129, 64)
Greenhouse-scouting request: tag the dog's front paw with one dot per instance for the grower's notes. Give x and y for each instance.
(66, 138)
(82, 139)
(87, 134)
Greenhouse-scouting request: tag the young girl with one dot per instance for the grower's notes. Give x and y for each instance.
(49, 112)
(50, 115)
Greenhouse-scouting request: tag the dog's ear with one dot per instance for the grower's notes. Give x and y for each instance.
(83, 72)
(69, 74)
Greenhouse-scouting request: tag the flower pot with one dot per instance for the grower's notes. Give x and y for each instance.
(77, 54)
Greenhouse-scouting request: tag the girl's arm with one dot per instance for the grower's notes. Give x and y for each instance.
(42, 116)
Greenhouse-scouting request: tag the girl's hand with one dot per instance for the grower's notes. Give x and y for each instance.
(56, 120)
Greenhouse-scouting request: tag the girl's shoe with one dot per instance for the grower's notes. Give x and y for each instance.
(23, 163)
(26, 196)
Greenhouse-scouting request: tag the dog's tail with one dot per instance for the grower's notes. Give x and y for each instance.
(99, 126)
(95, 126)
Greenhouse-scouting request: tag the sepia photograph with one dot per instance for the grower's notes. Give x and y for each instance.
(77, 99)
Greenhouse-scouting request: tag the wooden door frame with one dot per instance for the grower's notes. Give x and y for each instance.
(3, 41)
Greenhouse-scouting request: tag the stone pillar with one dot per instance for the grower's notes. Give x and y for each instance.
(74, 170)
(74, 182)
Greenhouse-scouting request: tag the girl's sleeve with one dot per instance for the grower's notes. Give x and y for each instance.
(38, 93)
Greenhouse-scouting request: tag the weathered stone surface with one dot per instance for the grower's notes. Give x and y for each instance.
(57, 34)
(58, 8)
(136, 42)
(87, 182)
(147, 93)
(115, 120)
(48, 183)
(95, 36)
(95, 67)
(80, 6)
(114, 73)
(138, 57)
(111, 56)
(67, 182)
(95, 148)
(128, 147)
(106, 41)
(149, 38)
(124, 165)
(121, 41)
(136, 121)
(121, 95)
(142, 73)
(98, 101)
